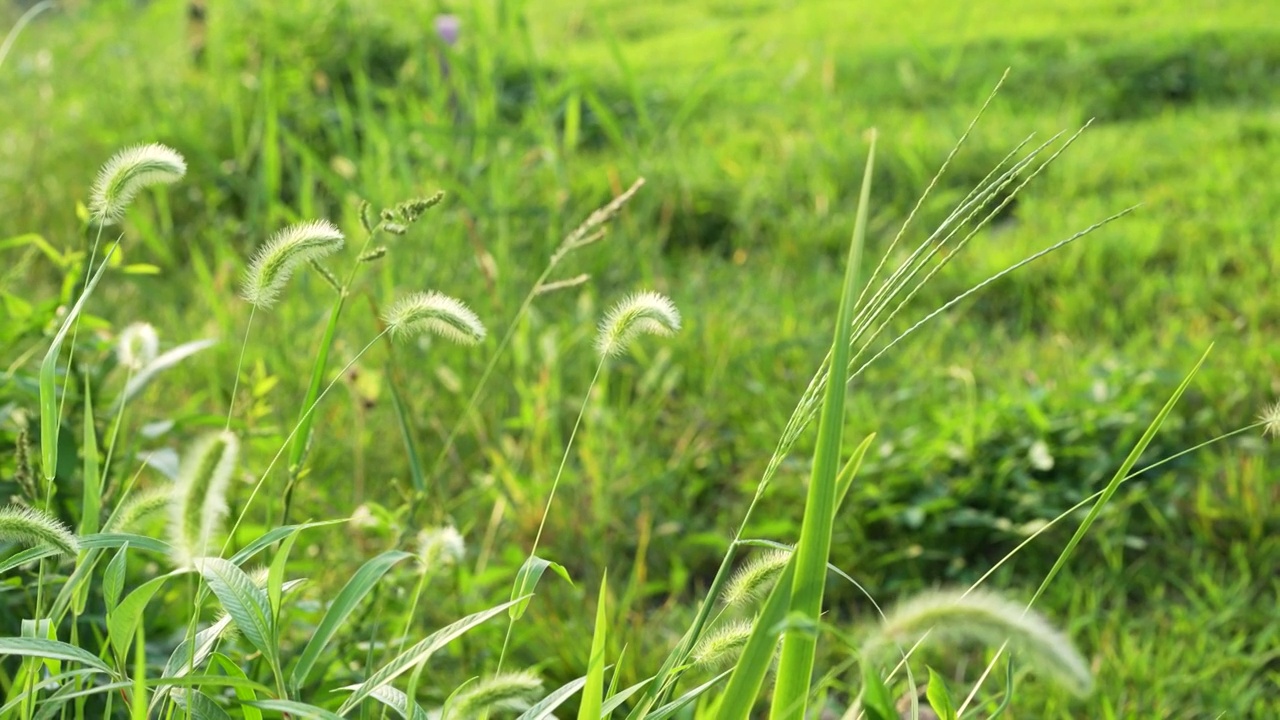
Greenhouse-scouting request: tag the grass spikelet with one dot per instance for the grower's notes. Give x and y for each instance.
(139, 507)
(504, 691)
(442, 546)
(437, 313)
(35, 528)
(126, 173)
(198, 502)
(755, 578)
(1270, 419)
(137, 346)
(589, 231)
(954, 617)
(720, 647)
(646, 312)
(275, 261)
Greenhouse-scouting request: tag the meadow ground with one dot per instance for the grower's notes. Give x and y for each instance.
(747, 121)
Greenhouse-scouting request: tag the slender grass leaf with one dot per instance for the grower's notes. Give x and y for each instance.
(547, 705)
(275, 574)
(675, 706)
(201, 706)
(51, 650)
(163, 362)
(795, 668)
(420, 653)
(182, 660)
(397, 701)
(615, 700)
(113, 578)
(527, 580)
(115, 540)
(343, 605)
(244, 693)
(940, 697)
(122, 623)
(45, 683)
(91, 501)
(275, 535)
(876, 701)
(245, 602)
(27, 556)
(294, 709)
(416, 474)
(593, 694)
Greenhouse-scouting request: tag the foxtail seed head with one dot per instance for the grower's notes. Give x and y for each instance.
(722, 646)
(36, 528)
(199, 499)
(755, 578)
(646, 312)
(126, 173)
(433, 312)
(440, 547)
(952, 616)
(275, 261)
(138, 507)
(1270, 419)
(137, 346)
(504, 691)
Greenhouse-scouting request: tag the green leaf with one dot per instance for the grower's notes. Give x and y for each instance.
(940, 697)
(679, 703)
(244, 693)
(202, 706)
(26, 556)
(795, 667)
(122, 623)
(245, 602)
(275, 574)
(396, 700)
(91, 503)
(114, 540)
(419, 653)
(406, 435)
(291, 708)
(275, 535)
(51, 650)
(876, 702)
(615, 701)
(343, 605)
(113, 578)
(544, 707)
(593, 694)
(527, 579)
(182, 660)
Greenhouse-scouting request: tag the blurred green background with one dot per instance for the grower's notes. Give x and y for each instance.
(747, 120)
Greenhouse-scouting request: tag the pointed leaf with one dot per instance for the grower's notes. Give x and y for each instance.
(244, 601)
(202, 706)
(293, 709)
(51, 650)
(122, 623)
(26, 556)
(420, 652)
(876, 702)
(396, 700)
(527, 579)
(940, 697)
(275, 535)
(679, 703)
(544, 707)
(113, 578)
(113, 540)
(343, 605)
(593, 693)
(275, 574)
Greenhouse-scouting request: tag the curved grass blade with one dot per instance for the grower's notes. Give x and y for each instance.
(527, 579)
(201, 706)
(51, 650)
(593, 694)
(547, 705)
(275, 535)
(294, 709)
(420, 653)
(397, 701)
(115, 540)
(26, 556)
(679, 703)
(343, 605)
(245, 602)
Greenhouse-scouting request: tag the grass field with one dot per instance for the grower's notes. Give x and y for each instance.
(747, 121)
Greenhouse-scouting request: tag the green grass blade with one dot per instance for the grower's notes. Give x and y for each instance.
(202, 706)
(302, 438)
(91, 503)
(940, 697)
(790, 697)
(398, 701)
(420, 653)
(26, 556)
(295, 709)
(593, 694)
(542, 709)
(527, 580)
(115, 540)
(245, 693)
(675, 706)
(275, 535)
(1119, 477)
(123, 621)
(51, 650)
(748, 675)
(343, 605)
(275, 574)
(616, 699)
(416, 474)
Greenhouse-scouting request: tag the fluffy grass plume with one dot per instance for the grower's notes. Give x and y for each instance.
(126, 173)
(199, 499)
(1270, 419)
(641, 313)
(275, 261)
(504, 691)
(721, 646)
(139, 506)
(137, 346)
(437, 313)
(755, 578)
(36, 528)
(954, 617)
(440, 547)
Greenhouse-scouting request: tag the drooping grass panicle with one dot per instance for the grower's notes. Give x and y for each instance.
(721, 646)
(198, 502)
(34, 527)
(437, 313)
(274, 263)
(1270, 419)
(981, 616)
(128, 172)
(137, 346)
(504, 691)
(754, 579)
(641, 313)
